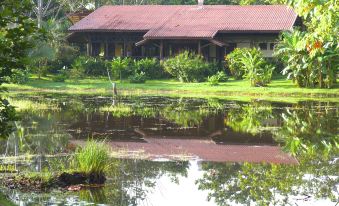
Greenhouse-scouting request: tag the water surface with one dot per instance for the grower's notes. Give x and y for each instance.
(182, 151)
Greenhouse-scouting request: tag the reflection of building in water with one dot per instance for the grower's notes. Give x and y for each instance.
(211, 140)
(133, 128)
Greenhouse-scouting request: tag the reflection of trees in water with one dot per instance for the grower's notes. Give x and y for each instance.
(309, 131)
(270, 183)
(39, 134)
(310, 128)
(185, 114)
(129, 182)
(250, 118)
(132, 180)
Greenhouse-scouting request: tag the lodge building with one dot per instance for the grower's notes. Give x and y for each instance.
(162, 31)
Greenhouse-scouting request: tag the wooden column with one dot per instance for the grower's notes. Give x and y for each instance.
(124, 53)
(161, 48)
(89, 47)
(142, 51)
(106, 49)
(199, 47)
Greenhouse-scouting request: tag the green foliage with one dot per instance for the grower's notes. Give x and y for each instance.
(120, 66)
(40, 55)
(217, 78)
(65, 56)
(93, 158)
(251, 64)
(257, 70)
(7, 116)
(19, 76)
(311, 56)
(303, 67)
(16, 33)
(60, 77)
(151, 67)
(187, 67)
(90, 66)
(138, 78)
(234, 63)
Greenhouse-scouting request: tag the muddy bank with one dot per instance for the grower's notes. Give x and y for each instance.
(63, 181)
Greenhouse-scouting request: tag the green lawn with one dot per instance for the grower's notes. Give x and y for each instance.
(4, 201)
(278, 89)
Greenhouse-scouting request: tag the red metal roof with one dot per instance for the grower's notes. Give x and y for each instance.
(164, 21)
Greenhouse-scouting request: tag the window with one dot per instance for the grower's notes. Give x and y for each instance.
(272, 45)
(263, 46)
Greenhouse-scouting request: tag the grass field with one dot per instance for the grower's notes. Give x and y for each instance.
(277, 89)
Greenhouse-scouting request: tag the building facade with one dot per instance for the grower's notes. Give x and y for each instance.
(164, 31)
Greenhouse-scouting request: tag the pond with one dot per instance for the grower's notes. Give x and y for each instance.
(179, 151)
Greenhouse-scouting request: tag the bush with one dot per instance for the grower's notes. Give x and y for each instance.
(187, 67)
(93, 158)
(151, 67)
(257, 70)
(234, 63)
(19, 76)
(90, 66)
(65, 56)
(217, 78)
(60, 77)
(253, 66)
(76, 73)
(138, 78)
(122, 67)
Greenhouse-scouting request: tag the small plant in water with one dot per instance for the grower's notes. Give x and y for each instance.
(93, 158)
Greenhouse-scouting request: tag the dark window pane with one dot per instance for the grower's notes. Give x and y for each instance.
(263, 46)
(272, 45)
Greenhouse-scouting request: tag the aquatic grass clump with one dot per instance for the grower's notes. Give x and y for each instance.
(29, 105)
(118, 110)
(93, 158)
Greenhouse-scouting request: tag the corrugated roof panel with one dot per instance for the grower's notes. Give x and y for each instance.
(188, 21)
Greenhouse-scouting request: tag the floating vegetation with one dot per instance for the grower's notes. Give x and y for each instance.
(122, 110)
(8, 168)
(29, 105)
(119, 110)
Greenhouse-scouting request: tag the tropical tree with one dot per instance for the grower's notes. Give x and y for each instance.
(16, 33)
(311, 56)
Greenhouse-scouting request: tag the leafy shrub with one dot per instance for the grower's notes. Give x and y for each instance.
(122, 67)
(19, 76)
(151, 67)
(65, 56)
(90, 66)
(138, 77)
(234, 63)
(257, 70)
(214, 68)
(252, 65)
(217, 78)
(213, 80)
(60, 77)
(92, 158)
(187, 67)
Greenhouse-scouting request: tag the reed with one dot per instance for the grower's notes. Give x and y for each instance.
(93, 158)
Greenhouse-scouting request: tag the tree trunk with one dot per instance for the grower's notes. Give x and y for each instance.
(320, 76)
(39, 13)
